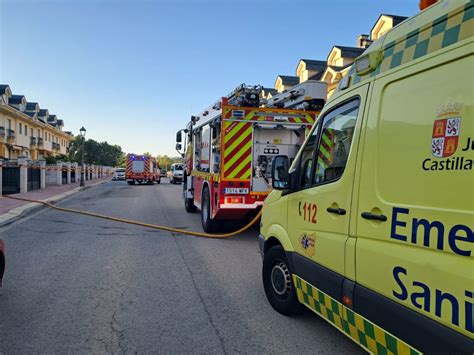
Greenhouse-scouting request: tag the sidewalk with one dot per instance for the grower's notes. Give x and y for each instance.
(11, 210)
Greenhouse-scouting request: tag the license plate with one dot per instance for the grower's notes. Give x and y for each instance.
(236, 190)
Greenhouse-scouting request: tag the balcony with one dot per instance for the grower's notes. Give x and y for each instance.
(2, 132)
(56, 146)
(10, 135)
(32, 141)
(39, 142)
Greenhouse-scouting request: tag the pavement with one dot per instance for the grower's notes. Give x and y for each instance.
(11, 210)
(77, 284)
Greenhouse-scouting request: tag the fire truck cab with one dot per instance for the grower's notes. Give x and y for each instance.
(229, 148)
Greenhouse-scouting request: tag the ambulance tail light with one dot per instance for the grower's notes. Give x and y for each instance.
(426, 3)
(234, 200)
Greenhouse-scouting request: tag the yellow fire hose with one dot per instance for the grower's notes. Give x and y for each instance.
(143, 224)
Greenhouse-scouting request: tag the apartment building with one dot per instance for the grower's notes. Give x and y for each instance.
(339, 59)
(28, 131)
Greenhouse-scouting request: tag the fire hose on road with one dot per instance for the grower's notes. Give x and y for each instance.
(143, 224)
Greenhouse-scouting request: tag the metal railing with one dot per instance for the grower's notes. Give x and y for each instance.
(32, 140)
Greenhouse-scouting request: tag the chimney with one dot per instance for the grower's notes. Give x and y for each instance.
(363, 41)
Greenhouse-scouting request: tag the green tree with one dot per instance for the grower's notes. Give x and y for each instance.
(96, 153)
(166, 161)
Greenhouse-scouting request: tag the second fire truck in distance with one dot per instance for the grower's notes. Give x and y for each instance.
(229, 148)
(142, 169)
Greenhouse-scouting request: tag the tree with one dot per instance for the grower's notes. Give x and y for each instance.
(96, 153)
(165, 161)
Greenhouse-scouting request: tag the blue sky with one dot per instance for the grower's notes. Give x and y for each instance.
(132, 72)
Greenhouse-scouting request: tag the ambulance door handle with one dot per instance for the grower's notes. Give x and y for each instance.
(339, 211)
(375, 217)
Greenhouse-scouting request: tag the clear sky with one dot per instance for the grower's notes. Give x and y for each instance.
(133, 72)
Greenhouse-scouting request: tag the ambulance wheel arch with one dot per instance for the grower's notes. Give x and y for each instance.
(278, 236)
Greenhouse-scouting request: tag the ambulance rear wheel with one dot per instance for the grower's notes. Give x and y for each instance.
(209, 225)
(278, 283)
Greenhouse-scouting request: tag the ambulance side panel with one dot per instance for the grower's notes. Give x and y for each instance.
(415, 270)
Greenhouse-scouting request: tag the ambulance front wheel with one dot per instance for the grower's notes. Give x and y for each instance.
(209, 225)
(278, 284)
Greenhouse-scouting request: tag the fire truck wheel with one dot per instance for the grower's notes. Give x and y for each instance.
(188, 202)
(278, 283)
(158, 181)
(209, 225)
(131, 182)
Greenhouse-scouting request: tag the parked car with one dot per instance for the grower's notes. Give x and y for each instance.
(2, 261)
(119, 174)
(163, 173)
(176, 175)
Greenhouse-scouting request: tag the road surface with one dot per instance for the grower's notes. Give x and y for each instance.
(76, 284)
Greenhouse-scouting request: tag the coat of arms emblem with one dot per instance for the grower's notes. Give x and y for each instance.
(445, 137)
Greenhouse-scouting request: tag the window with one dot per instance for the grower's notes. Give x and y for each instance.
(335, 142)
(20, 128)
(306, 161)
(31, 132)
(26, 130)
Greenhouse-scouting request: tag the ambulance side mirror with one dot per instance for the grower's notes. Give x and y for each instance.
(280, 176)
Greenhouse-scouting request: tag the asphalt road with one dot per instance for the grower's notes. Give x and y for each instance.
(76, 284)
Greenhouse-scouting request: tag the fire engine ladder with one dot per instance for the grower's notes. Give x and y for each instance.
(309, 95)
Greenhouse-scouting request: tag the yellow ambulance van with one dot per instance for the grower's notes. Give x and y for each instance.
(371, 226)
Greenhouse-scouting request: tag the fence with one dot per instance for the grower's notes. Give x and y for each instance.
(25, 175)
(10, 178)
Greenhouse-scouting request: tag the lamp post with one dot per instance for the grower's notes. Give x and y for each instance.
(82, 131)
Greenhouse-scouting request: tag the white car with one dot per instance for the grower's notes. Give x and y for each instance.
(119, 174)
(176, 175)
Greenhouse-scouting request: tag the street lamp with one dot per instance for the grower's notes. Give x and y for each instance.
(82, 131)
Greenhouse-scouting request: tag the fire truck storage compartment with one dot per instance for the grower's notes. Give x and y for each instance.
(271, 140)
(138, 166)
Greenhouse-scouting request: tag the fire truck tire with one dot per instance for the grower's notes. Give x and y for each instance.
(189, 205)
(278, 284)
(158, 181)
(131, 182)
(208, 224)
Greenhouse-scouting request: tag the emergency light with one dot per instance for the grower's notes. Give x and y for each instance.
(368, 63)
(426, 3)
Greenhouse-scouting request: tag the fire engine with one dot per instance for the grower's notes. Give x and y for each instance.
(228, 148)
(142, 169)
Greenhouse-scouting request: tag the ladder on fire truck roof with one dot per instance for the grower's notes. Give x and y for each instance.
(309, 95)
(245, 95)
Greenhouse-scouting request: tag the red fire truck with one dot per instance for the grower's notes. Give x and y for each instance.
(142, 169)
(228, 148)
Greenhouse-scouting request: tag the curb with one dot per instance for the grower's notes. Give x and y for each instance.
(22, 211)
